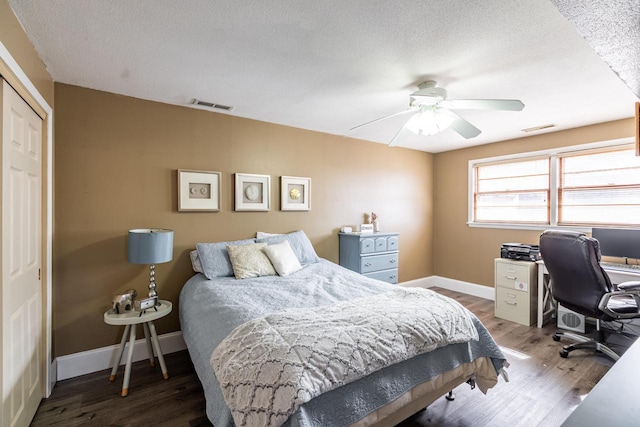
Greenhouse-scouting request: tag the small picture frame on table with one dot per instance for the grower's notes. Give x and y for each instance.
(252, 192)
(295, 193)
(198, 190)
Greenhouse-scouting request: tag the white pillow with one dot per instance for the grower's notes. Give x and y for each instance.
(249, 261)
(262, 234)
(282, 257)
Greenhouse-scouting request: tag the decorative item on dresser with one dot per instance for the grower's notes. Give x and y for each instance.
(374, 255)
(516, 287)
(150, 246)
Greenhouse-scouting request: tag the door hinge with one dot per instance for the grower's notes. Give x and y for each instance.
(38, 274)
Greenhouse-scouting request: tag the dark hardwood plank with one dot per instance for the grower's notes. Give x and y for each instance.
(543, 388)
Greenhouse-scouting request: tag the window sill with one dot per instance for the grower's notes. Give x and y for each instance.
(527, 227)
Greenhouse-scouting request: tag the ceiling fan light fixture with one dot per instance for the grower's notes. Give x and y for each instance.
(430, 121)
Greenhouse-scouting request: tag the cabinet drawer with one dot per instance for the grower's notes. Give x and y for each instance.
(390, 276)
(507, 274)
(392, 243)
(367, 246)
(381, 244)
(378, 262)
(513, 305)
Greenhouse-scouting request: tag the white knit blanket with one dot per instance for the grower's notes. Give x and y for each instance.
(269, 366)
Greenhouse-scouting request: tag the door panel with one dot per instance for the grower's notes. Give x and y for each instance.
(22, 385)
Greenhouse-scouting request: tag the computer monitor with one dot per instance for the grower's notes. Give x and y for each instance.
(618, 242)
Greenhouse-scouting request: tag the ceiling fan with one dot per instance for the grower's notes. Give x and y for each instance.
(432, 112)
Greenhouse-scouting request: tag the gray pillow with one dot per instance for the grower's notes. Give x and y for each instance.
(214, 257)
(300, 244)
(195, 261)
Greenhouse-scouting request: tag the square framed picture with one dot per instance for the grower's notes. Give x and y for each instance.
(198, 190)
(252, 192)
(295, 193)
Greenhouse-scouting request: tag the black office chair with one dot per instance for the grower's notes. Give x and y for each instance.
(579, 283)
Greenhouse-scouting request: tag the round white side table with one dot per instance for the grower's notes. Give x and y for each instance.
(131, 319)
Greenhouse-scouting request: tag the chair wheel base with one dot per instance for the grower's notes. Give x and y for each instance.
(450, 396)
(556, 337)
(564, 354)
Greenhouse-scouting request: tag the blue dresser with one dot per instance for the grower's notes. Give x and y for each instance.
(374, 255)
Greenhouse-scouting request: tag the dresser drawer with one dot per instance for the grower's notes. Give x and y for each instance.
(392, 243)
(508, 274)
(378, 262)
(513, 305)
(367, 246)
(390, 276)
(381, 244)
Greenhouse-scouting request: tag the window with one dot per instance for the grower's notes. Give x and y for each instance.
(516, 191)
(600, 188)
(571, 187)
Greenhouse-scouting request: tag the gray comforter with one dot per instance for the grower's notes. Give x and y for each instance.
(211, 309)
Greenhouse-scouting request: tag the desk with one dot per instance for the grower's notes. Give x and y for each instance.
(546, 307)
(613, 402)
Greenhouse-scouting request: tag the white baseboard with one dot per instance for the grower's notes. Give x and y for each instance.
(453, 285)
(480, 291)
(423, 282)
(86, 362)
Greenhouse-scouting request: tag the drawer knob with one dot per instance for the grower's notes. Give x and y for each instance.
(511, 302)
(511, 277)
(393, 261)
(393, 276)
(367, 264)
(510, 295)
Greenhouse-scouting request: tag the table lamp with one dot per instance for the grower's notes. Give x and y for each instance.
(150, 246)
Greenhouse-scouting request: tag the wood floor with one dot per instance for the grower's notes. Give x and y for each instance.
(543, 388)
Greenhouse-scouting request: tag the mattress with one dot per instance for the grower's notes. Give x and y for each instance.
(211, 309)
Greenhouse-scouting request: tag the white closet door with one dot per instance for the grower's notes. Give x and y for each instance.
(22, 330)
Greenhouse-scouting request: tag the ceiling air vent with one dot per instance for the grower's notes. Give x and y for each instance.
(535, 128)
(211, 105)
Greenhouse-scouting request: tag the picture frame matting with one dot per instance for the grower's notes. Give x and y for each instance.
(199, 190)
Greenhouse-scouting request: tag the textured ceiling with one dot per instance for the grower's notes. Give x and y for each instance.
(331, 65)
(612, 28)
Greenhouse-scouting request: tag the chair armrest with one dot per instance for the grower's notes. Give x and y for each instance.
(629, 286)
(604, 302)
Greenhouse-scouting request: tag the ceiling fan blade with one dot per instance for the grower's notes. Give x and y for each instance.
(484, 104)
(463, 127)
(396, 140)
(408, 110)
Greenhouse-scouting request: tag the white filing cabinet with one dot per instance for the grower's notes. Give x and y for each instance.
(516, 287)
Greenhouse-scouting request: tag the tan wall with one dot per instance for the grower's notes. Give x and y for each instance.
(15, 40)
(466, 253)
(116, 160)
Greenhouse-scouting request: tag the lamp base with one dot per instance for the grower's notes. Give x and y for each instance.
(152, 284)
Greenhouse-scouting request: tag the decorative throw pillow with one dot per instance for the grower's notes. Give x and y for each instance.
(250, 261)
(282, 257)
(300, 244)
(214, 257)
(195, 261)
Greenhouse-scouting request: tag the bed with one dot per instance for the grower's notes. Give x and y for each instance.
(215, 305)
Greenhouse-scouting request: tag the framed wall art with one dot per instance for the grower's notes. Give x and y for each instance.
(295, 193)
(252, 192)
(198, 190)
